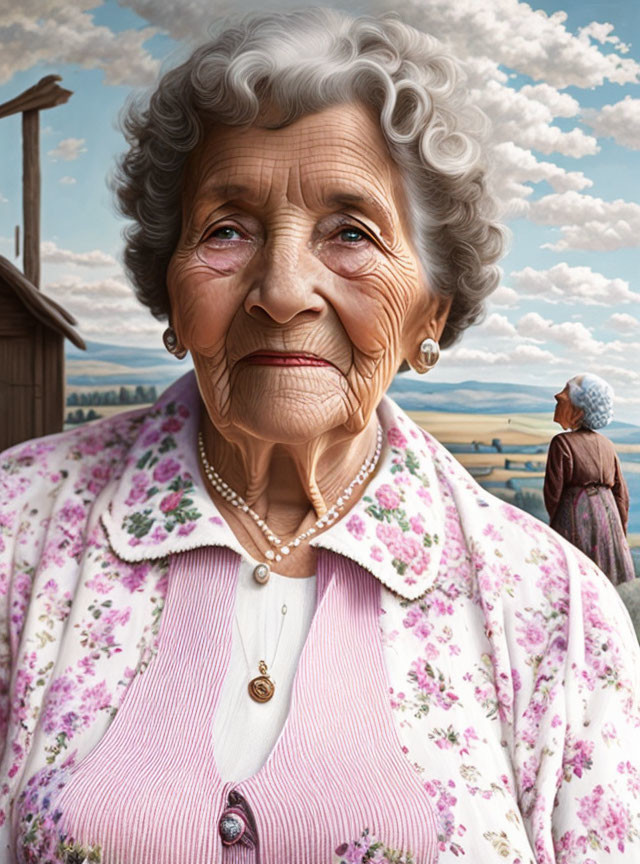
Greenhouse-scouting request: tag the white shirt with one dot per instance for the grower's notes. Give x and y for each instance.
(244, 731)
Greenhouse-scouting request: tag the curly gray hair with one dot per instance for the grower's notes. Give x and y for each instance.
(300, 63)
(594, 396)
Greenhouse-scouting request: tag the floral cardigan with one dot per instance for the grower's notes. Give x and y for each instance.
(512, 667)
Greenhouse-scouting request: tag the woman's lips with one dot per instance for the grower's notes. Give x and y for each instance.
(281, 358)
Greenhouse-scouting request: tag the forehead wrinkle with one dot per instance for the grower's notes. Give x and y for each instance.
(213, 193)
(314, 169)
(348, 153)
(357, 184)
(295, 187)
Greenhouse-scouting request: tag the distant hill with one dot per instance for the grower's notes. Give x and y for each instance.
(112, 365)
(472, 397)
(475, 397)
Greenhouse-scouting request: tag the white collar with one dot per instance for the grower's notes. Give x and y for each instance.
(160, 505)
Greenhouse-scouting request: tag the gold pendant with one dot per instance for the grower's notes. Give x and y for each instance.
(261, 688)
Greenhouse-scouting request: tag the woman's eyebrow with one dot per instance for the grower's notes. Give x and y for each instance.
(364, 203)
(210, 196)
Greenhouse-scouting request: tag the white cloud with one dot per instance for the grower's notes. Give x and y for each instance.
(527, 354)
(504, 296)
(3, 200)
(68, 149)
(521, 355)
(515, 167)
(526, 40)
(620, 121)
(107, 310)
(559, 104)
(50, 32)
(497, 325)
(524, 166)
(587, 222)
(624, 323)
(52, 254)
(73, 288)
(522, 121)
(527, 122)
(565, 284)
(603, 33)
(479, 69)
(122, 331)
(572, 335)
(617, 376)
(67, 181)
(475, 357)
(512, 33)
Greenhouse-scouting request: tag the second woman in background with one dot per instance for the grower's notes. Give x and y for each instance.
(584, 491)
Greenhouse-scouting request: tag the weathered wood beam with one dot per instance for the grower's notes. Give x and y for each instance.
(45, 94)
(31, 195)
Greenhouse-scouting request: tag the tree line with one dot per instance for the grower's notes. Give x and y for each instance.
(139, 395)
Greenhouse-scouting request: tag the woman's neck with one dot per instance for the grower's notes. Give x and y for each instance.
(289, 485)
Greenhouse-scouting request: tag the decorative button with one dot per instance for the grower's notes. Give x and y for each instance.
(261, 574)
(232, 826)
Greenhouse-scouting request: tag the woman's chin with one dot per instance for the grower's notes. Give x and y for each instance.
(289, 418)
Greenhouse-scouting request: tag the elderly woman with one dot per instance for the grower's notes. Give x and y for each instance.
(584, 491)
(270, 620)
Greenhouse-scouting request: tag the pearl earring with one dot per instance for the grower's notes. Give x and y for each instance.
(430, 351)
(171, 343)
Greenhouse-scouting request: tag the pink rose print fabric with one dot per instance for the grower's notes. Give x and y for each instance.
(512, 667)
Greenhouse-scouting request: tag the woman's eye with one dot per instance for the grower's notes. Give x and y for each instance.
(225, 232)
(352, 235)
(226, 247)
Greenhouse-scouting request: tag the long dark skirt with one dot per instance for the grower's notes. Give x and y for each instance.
(588, 517)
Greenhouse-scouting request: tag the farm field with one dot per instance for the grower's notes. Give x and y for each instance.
(506, 454)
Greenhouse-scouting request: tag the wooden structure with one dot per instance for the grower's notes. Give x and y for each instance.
(32, 332)
(32, 326)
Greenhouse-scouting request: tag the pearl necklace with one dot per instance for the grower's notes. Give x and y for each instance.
(283, 549)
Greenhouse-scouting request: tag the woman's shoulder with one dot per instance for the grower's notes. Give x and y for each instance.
(74, 464)
(520, 561)
(562, 441)
(65, 481)
(541, 588)
(516, 560)
(86, 457)
(581, 437)
(542, 594)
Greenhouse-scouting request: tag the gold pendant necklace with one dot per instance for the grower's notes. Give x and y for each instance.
(262, 687)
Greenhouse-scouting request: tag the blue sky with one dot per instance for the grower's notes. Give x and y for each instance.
(566, 153)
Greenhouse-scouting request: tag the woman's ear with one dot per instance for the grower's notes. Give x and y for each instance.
(440, 314)
(429, 326)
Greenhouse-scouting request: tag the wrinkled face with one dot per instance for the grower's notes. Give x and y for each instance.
(566, 413)
(294, 284)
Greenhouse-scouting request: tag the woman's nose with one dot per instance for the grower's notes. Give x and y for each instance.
(288, 283)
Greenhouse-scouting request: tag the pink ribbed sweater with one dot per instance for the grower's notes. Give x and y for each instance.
(150, 793)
